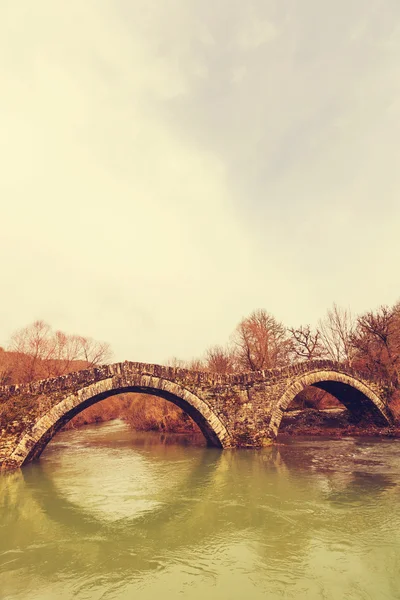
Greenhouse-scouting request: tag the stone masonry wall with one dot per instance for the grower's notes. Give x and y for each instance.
(235, 410)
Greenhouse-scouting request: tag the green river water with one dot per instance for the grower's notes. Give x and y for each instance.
(108, 513)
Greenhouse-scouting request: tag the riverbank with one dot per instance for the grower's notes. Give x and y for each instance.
(335, 423)
(153, 414)
(142, 412)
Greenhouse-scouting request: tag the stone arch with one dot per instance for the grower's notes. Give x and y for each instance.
(36, 439)
(355, 395)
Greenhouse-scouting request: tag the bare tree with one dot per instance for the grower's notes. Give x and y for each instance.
(66, 350)
(220, 360)
(93, 352)
(175, 363)
(6, 369)
(32, 345)
(336, 331)
(40, 352)
(376, 342)
(196, 364)
(307, 344)
(261, 342)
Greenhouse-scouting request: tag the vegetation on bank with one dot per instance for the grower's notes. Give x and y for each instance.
(142, 412)
(370, 343)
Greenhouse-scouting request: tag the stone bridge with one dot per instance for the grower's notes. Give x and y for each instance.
(240, 410)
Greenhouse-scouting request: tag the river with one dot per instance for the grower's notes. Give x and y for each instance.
(108, 513)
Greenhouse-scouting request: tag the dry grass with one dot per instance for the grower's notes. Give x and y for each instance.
(142, 411)
(395, 406)
(150, 413)
(312, 397)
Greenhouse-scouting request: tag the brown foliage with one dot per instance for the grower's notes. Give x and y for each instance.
(376, 343)
(312, 397)
(6, 368)
(220, 360)
(37, 352)
(106, 410)
(150, 413)
(142, 412)
(261, 342)
(371, 344)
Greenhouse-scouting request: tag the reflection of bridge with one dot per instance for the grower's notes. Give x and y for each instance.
(237, 511)
(241, 410)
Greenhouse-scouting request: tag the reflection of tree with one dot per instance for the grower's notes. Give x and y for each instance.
(361, 487)
(220, 498)
(277, 499)
(346, 471)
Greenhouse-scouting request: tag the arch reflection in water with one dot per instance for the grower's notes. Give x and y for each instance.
(115, 519)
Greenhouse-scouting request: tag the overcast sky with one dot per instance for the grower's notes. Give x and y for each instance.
(167, 166)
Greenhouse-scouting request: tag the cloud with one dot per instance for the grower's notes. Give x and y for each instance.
(168, 167)
(101, 194)
(256, 34)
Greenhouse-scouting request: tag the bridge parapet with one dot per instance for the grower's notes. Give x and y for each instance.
(86, 376)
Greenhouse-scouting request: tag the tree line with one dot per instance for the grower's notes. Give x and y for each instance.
(369, 342)
(38, 352)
